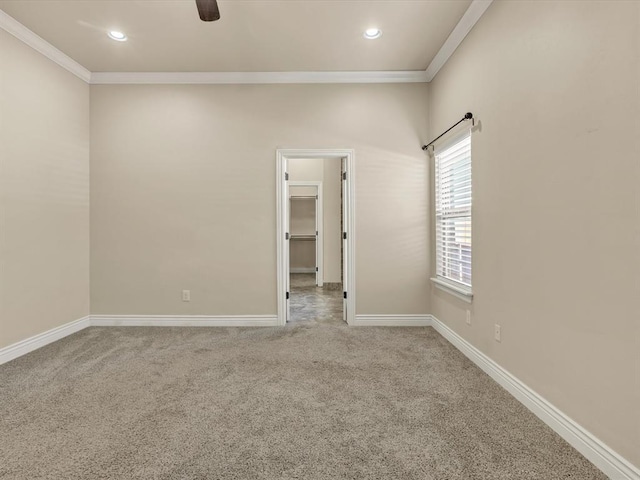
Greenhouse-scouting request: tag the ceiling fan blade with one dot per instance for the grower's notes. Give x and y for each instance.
(208, 10)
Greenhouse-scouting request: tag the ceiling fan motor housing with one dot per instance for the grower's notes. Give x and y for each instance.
(208, 10)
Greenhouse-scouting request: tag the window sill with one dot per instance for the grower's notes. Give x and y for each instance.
(455, 290)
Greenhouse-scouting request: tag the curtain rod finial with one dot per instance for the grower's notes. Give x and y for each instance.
(468, 115)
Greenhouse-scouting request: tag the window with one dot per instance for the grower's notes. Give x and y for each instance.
(453, 215)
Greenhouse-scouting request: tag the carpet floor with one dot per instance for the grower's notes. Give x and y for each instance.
(315, 400)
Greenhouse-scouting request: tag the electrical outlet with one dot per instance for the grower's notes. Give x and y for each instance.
(186, 295)
(468, 317)
(497, 333)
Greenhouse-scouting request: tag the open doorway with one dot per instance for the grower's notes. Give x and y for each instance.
(315, 236)
(315, 211)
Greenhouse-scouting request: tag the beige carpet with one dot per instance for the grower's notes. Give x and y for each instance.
(312, 401)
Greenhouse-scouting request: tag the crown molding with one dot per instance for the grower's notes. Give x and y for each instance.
(22, 33)
(464, 26)
(102, 78)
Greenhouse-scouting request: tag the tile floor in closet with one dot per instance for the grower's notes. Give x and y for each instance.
(310, 303)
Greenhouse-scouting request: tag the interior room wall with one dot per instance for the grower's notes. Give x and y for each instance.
(556, 228)
(44, 193)
(183, 192)
(327, 171)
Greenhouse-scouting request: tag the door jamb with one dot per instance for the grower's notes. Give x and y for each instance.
(282, 210)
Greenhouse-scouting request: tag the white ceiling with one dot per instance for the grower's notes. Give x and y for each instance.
(251, 36)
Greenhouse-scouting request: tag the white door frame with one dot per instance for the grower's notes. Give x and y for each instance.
(343, 241)
(319, 225)
(282, 212)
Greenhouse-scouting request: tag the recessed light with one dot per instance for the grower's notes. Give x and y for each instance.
(372, 33)
(118, 36)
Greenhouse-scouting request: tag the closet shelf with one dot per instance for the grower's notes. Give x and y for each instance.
(303, 237)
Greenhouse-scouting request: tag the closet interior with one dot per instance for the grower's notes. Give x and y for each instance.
(303, 247)
(315, 239)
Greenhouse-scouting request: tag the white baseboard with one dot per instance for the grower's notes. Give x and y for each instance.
(597, 452)
(392, 321)
(302, 270)
(37, 341)
(184, 320)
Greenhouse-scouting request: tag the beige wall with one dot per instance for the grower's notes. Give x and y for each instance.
(556, 208)
(327, 171)
(302, 256)
(305, 170)
(556, 221)
(183, 192)
(332, 210)
(44, 193)
(303, 216)
(302, 221)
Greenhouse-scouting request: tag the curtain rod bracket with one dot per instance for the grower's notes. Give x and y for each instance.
(467, 116)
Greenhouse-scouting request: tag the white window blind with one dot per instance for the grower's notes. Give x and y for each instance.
(453, 212)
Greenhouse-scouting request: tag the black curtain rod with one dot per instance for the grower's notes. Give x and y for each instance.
(467, 116)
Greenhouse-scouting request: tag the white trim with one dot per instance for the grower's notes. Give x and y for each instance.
(303, 270)
(350, 227)
(119, 78)
(282, 264)
(319, 225)
(451, 138)
(22, 33)
(184, 320)
(401, 320)
(464, 26)
(282, 270)
(304, 183)
(455, 290)
(597, 452)
(37, 341)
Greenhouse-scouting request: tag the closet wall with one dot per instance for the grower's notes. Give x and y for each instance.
(302, 249)
(327, 171)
